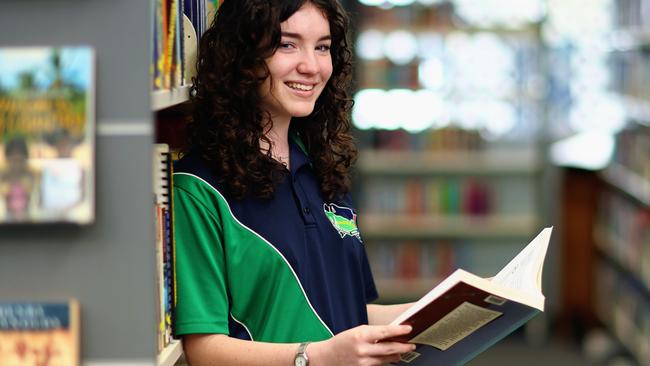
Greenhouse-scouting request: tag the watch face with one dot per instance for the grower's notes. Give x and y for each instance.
(300, 361)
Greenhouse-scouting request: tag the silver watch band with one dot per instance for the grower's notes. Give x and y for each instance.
(302, 354)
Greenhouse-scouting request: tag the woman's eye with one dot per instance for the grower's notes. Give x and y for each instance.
(286, 45)
(323, 48)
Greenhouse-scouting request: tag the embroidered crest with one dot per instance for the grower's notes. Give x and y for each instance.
(343, 219)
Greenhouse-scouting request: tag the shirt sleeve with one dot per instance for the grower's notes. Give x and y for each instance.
(201, 293)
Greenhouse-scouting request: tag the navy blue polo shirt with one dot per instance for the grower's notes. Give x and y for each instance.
(289, 269)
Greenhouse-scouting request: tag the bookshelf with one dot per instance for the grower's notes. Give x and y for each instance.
(163, 99)
(182, 23)
(430, 198)
(171, 355)
(108, 266)
(622, 227)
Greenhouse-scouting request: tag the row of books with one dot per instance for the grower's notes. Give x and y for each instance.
(178, 26)
(631, 73)
(164, 244)
(624, 307)
(447, 196)
(633, 151)
(632, 14)
(624, 229)
(432, 259)
(447, 139)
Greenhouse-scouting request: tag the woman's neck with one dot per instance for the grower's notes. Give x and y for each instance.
(279, 138)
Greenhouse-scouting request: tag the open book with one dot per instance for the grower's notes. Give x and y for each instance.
(466, 314)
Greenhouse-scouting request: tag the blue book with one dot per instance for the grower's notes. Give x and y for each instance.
(466, 314)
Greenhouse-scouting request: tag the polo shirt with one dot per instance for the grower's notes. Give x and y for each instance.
(289, 269)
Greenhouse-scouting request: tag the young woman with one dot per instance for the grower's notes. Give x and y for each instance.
(268, 254)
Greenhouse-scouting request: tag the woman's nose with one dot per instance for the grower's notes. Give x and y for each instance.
(308, 64)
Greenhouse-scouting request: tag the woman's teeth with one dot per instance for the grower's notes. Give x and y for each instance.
(300, 86)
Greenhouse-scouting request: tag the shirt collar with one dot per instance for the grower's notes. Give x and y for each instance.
(298, 153)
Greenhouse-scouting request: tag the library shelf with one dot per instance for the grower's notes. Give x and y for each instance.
(162, 99)
(628, 182)
(478, 163)
(170, 354)
(636, 109)
(396, 226)
(622, 326)
(606, 243)
(627, 39)
(404, 289)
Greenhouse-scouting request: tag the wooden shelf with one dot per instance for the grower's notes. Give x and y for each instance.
(629, 182)
(502, 162)
(423, 227)
(170, 355)
(162, 99)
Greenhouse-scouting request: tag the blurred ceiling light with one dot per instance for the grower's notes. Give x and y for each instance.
(591, 150)
(370, 45)
(400, 47)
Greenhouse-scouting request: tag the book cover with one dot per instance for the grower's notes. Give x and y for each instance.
(39, 333)
(47, 135)
(466, 314)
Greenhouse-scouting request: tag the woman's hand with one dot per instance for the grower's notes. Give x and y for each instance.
(361, 346)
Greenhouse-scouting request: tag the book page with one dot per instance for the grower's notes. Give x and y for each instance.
(455, 326)
(524, 271)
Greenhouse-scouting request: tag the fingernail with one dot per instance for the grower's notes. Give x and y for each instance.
(408, 328)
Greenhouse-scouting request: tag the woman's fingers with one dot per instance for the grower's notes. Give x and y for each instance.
(390, 348)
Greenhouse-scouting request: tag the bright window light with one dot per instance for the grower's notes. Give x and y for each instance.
(366, 113)
(401, 2)
(431, 74)
(509, 13)
(587, 150)
(430, 45)
(370, 45)
(400, 47)
(597, 112)
(407, 109)
(430, 2)
(372, 2)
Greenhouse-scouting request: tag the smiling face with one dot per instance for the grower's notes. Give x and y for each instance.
(300, 67)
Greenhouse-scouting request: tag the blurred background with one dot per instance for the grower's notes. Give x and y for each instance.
(479, 123)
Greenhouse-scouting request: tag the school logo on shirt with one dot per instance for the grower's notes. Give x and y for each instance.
(343, 219)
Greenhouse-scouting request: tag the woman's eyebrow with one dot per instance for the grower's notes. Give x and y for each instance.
(299, 36)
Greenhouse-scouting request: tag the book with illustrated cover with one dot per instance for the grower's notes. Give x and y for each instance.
(466, 314)
(39, 333)
(47, 135)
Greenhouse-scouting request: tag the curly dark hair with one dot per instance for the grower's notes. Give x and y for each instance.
(227, 122)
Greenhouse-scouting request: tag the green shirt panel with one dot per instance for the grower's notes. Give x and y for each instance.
(217, 256)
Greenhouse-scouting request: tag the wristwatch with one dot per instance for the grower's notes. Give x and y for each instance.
(301, 355)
